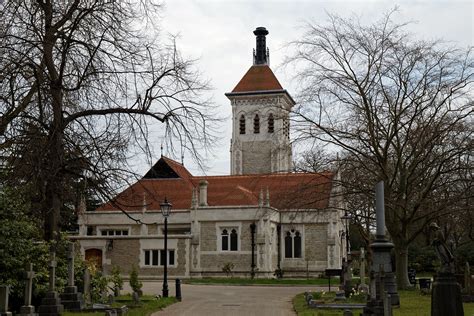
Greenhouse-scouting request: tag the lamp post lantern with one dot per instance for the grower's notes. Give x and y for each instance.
(165, 211)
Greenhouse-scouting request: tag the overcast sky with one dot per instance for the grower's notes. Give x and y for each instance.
(219, 33)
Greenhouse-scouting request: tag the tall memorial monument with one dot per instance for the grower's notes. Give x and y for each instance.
(383, 281)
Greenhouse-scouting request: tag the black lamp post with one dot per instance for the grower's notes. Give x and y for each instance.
(165, 211)
(347, 218)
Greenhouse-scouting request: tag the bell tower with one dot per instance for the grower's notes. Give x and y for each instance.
(260, 118)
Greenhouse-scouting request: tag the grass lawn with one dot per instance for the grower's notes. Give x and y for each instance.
(245, 281)
(149, 305)
(412, 303)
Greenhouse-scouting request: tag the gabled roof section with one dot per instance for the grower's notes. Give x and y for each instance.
(258, 78)
(166, 168)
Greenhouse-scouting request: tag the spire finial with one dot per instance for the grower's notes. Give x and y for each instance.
(261, 56)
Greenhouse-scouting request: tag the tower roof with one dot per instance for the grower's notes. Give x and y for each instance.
(258, 78)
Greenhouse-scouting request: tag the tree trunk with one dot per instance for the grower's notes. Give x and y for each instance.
(401, 264)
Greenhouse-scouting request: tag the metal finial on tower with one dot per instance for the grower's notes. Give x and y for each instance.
(161, 149)
(261, 56)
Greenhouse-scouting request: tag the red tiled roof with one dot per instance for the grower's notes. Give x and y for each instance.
(178, 168)
(258, 78)
(287, 190)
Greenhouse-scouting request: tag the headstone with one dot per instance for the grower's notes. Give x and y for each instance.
(4, 292)
(135, 298)
(110, 299)
(51, 304)
(340, 296)
(27, 309)
(446, 294)
(412, 276)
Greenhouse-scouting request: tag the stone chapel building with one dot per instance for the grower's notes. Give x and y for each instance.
(260, 218)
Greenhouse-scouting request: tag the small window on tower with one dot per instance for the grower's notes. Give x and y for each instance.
(256, 124)
(242, 124)
(271, 123)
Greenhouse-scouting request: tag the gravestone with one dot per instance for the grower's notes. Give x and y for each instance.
(71, 299)
(446, 294)
(51, 304)
(135, 298)
(364, 288)
(4, 292)
(27, 309)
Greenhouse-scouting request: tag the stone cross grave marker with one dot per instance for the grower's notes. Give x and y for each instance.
(29, 275)
(4, 291)
(27, 309)
(52, 269)
(70, 266)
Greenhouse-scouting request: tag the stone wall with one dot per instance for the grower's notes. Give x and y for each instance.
(215, 262)
(256, 156)
(315, 242)
(246, 237)
(152, 229)
(135, 230)
(208, 236)
(125, 253)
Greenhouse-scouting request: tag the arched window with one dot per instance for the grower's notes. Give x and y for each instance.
(293, 244)
(256, 124)
(271, 123)
(225, 240)
(242, 124)
(288, 245)
(229, 243)
(233, 240)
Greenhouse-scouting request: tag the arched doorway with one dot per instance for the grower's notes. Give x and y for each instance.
(94, 256)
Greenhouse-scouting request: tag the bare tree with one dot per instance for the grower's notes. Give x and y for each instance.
(400, 108)
(81, 83)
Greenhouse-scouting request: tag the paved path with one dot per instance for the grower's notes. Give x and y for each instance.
(210, 300)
